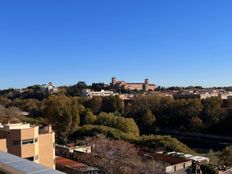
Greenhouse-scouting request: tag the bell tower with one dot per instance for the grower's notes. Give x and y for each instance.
(146, 85)
(113, 81)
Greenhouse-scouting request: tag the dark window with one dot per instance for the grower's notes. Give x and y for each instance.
(30, 158)
(36, 140)
(28, 141)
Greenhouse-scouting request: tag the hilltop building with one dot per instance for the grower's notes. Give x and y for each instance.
(146, 86)
(49, 88)
(29, 142)
(90, 94)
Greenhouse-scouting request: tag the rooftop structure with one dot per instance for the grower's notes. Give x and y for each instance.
(71, 151)
(70, 166)
(172, 164)
(12, 164)
(29, 142)
(8, 127)
(199, 159)
(175, 162)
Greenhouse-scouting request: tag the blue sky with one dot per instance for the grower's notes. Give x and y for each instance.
(171, 42)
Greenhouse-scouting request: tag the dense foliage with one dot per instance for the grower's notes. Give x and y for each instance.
(152, 141)
(208, 169)
(137, 120)
(226, 156)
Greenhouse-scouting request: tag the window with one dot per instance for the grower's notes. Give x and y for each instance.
(28, 141)
(30, 158)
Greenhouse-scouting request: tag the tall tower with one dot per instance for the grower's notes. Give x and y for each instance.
(146, 81)
(146, 85)
(113, 82)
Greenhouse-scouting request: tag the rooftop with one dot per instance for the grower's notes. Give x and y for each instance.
(169, 159)
(188, 156)
(14, 126)
(74, 165)
(172, 160)
(10, 163)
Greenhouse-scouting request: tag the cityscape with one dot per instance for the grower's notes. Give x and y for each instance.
(115, 87)
(90, 128)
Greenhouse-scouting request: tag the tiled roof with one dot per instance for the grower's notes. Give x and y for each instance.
(74, 165)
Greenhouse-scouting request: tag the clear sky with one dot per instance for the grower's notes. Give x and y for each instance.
(171, 42)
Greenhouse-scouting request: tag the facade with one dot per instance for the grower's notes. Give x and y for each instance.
(102, 93)
(184, 165)
(29, 142)
(171, 164)
(146, 86)
(226, 95)
(208, 95)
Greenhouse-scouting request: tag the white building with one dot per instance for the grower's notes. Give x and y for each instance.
(206, 95)
(200, 159)
(102, 93)
(226, 95)
(49, 88)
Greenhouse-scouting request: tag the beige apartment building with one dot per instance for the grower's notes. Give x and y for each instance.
(29, 142)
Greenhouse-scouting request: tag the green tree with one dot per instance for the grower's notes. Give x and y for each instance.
(89, 118)
(211, 110)
(94, 104)
(75, 110)
(147, 122)
(109, 104)
(4, 101)
(196, 123)
(63, 113)
(148, 118)
(226, 156)
(126, 125)
(76, 89)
